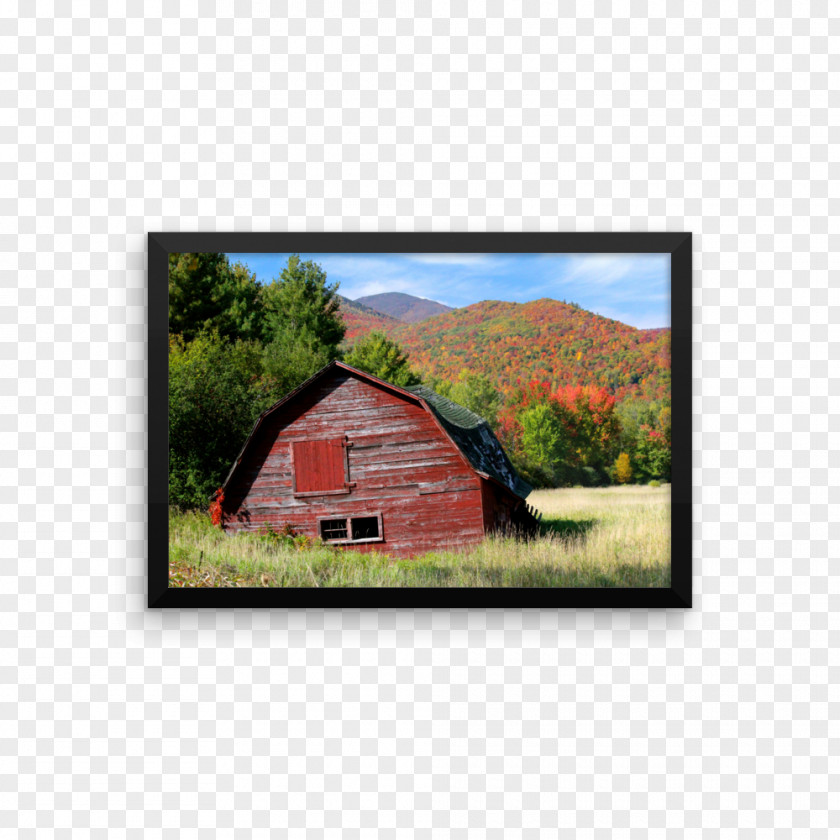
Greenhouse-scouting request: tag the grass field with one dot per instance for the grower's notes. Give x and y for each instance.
(611, 536)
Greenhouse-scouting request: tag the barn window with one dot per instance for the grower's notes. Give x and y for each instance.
(319, 467)
(352, 529)
(365, 527)
(334, 529)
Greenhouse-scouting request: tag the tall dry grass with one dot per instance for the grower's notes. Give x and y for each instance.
(616, 536)
(611, 536)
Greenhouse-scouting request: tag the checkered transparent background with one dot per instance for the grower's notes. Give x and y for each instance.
(718, 722)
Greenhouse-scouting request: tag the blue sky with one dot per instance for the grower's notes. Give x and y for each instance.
(632, 288)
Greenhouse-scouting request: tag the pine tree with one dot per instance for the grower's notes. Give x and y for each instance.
(301, 305)
(206, 293)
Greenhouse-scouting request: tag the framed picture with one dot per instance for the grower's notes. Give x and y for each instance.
(419, 419)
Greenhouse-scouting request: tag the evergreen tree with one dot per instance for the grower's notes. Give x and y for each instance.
(206, 293)
(302, 326)
(299, 304)
(246, 313)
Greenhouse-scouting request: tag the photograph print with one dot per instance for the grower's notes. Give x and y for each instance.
(432, 421)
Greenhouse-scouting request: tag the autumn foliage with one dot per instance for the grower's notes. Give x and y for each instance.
(217, 515)
(566, 435)
(544, 340)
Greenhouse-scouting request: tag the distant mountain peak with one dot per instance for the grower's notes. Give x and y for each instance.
(407, 308)
(357, 306)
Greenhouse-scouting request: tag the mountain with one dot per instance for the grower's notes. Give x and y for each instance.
(543, 339)
(404, 307)
(360, 319)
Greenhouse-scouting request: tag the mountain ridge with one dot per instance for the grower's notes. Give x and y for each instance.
(404, 307)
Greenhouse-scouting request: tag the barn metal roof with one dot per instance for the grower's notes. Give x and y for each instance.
(474, 437)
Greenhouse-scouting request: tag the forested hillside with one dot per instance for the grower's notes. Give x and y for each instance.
(360, 319)
(545, 340)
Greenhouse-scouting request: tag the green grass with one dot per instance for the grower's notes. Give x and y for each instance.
(614, 536)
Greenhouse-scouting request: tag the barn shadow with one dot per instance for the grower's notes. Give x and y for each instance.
(567, 528)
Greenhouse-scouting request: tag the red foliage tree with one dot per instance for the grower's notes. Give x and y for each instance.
(588, 415)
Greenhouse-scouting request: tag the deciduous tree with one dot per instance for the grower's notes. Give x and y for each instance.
(215, 395)
(378, 355)
(623, 469)
(475, 391)
(543, 445)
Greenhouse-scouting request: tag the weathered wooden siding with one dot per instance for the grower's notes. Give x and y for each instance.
(488, 505)
(497, 507)
(400, 464)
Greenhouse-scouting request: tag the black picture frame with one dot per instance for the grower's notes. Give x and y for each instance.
(678, 245)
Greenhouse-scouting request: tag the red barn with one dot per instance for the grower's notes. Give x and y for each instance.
(359, 462)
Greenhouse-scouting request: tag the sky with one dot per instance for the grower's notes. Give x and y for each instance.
(632, 288)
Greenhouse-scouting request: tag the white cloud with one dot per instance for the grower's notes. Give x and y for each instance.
(363, 275)
(448, 259)
(376, 287)
(608, 269)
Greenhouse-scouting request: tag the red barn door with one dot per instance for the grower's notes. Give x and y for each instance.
(319, 467)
